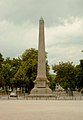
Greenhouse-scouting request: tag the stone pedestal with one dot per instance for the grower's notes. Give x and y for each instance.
(41, 88)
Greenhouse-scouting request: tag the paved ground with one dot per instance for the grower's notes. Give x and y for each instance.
(41, 110)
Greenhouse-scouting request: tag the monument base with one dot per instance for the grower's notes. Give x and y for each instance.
(41, 87)
(41, 92)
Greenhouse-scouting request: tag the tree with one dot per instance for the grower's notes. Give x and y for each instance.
(79, 75)
(9, 69)
(6, 73)
(15, 65)
(1, 58)
(1, 73)
(1, 80)
(1, 61)
(27, 71)
(65, 75)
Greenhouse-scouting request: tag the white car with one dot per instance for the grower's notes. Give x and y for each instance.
(12, 94)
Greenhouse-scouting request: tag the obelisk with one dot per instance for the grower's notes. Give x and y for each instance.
(41, 83)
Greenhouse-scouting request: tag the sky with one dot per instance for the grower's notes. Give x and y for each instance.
(19, 28)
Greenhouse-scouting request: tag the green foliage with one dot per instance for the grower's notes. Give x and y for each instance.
(1, 58)
(52, 82)
(1, 61)
(29, 54)
(6, 70)
(21, 72)
(1, 79)
(65, 74)
(79, 76)
(1, 73)
(27, 71)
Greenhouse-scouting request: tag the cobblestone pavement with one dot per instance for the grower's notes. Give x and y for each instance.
(41, 109)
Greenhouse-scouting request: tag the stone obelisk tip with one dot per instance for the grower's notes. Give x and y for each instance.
(41, 20)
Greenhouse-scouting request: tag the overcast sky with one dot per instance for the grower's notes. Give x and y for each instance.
(63, 28)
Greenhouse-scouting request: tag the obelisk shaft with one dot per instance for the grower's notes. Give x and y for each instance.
(41, 52)
(41, 86)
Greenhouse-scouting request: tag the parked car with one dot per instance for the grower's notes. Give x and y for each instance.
(12, 94)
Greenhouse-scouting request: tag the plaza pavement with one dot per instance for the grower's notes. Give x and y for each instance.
(41, 109)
